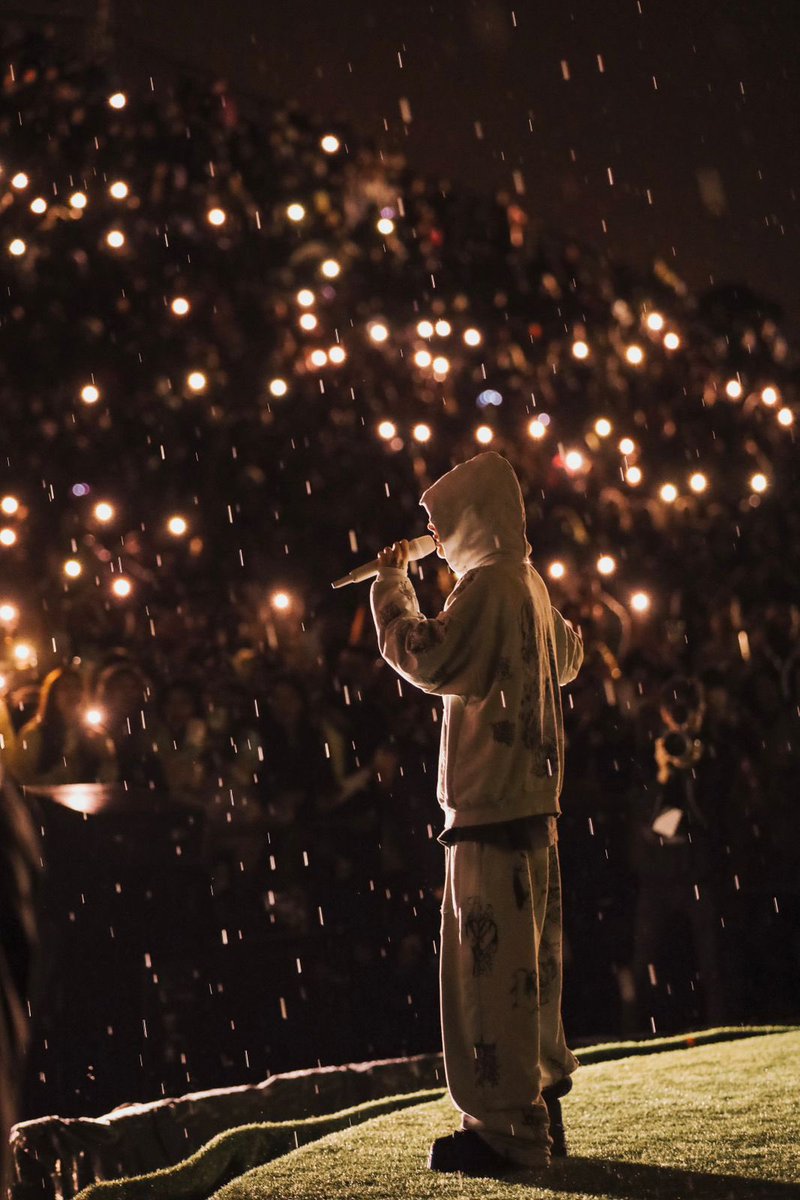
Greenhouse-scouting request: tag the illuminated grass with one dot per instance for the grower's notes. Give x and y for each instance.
(715, 1121)
(710, 1122)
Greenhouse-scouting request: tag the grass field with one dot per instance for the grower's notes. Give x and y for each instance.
(711, 1122)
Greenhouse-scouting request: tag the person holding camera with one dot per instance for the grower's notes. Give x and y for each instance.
(679, 839)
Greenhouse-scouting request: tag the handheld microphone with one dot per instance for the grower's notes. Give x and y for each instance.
(420, 547)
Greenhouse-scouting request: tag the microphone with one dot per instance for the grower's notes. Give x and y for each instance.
(420, 547)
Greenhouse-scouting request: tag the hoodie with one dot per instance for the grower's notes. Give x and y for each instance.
(498, 653)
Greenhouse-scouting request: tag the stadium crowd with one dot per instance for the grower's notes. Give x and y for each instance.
(234, 352)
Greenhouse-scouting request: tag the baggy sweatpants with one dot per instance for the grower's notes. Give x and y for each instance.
(500, 991)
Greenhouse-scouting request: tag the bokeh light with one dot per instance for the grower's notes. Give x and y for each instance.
(104, 512)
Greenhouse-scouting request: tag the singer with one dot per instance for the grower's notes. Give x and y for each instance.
(498, 654)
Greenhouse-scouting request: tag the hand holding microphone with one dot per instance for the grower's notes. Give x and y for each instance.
(399, 554)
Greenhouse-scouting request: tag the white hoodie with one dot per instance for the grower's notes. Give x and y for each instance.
(497, 653)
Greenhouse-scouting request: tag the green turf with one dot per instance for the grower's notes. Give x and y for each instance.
(704, 1118)
(713, 1122)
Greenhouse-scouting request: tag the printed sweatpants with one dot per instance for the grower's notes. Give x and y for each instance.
(500, 990)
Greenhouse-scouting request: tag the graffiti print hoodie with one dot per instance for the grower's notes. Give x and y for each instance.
(498, 652)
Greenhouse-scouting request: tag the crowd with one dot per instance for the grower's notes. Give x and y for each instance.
(234, 352)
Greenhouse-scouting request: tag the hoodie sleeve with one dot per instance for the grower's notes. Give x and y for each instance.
(569, 649)
(444, 655)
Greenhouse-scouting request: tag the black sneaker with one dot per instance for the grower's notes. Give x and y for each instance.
(467, 1152)
(552, 1098)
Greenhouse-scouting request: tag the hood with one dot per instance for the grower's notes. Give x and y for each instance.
(479, 512)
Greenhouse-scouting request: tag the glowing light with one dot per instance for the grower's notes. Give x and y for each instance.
(78, 200)
(94, 717)
(733, 389)
(536, 429)
(24, 654)
(769, 396)
(305, 297)
(698, 482)
(180, 306)
(556, 570)
(573, 460)
(443, 328)
(118, 100)
(104, 511)
(278, 387)
(387, 430)
(602, 427)
(488, 398)
(484, 435)
(177, 526)
(337, 354)
(423, 359)
(330, 268)
(441, 365)
(39, 205)
(627, 446)
(421, 433)
(580, 349)
(318, 358)
(472, 337)
(786, 417)
(759, 482)
(216, 216)
(640, 602)
(118, 190)
(385, 226)
(295, 212)
(634, 354)
(7, 537)
(196, 381)
(330, 143)
(606, 565)
(308, 321)
(72, 568)
(19, 181)
(655, 321)
(425, 329)
(633, 476)
(115, 238)
(90, 394)
(8, 613)
(9, 505)
(17, 247)
(122, 587)
(378, 332)
(671, 341)
(281, 601)
(668, 493)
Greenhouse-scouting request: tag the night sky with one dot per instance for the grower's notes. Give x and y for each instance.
(689, 107)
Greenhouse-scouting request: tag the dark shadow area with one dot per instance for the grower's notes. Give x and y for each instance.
(645, 1181)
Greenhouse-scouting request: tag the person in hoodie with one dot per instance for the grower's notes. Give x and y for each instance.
(498, 654)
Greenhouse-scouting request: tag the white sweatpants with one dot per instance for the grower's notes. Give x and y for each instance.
(500, 989)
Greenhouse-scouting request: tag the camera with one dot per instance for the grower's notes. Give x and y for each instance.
(682, 707)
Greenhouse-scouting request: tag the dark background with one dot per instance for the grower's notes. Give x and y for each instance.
(694, 111)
